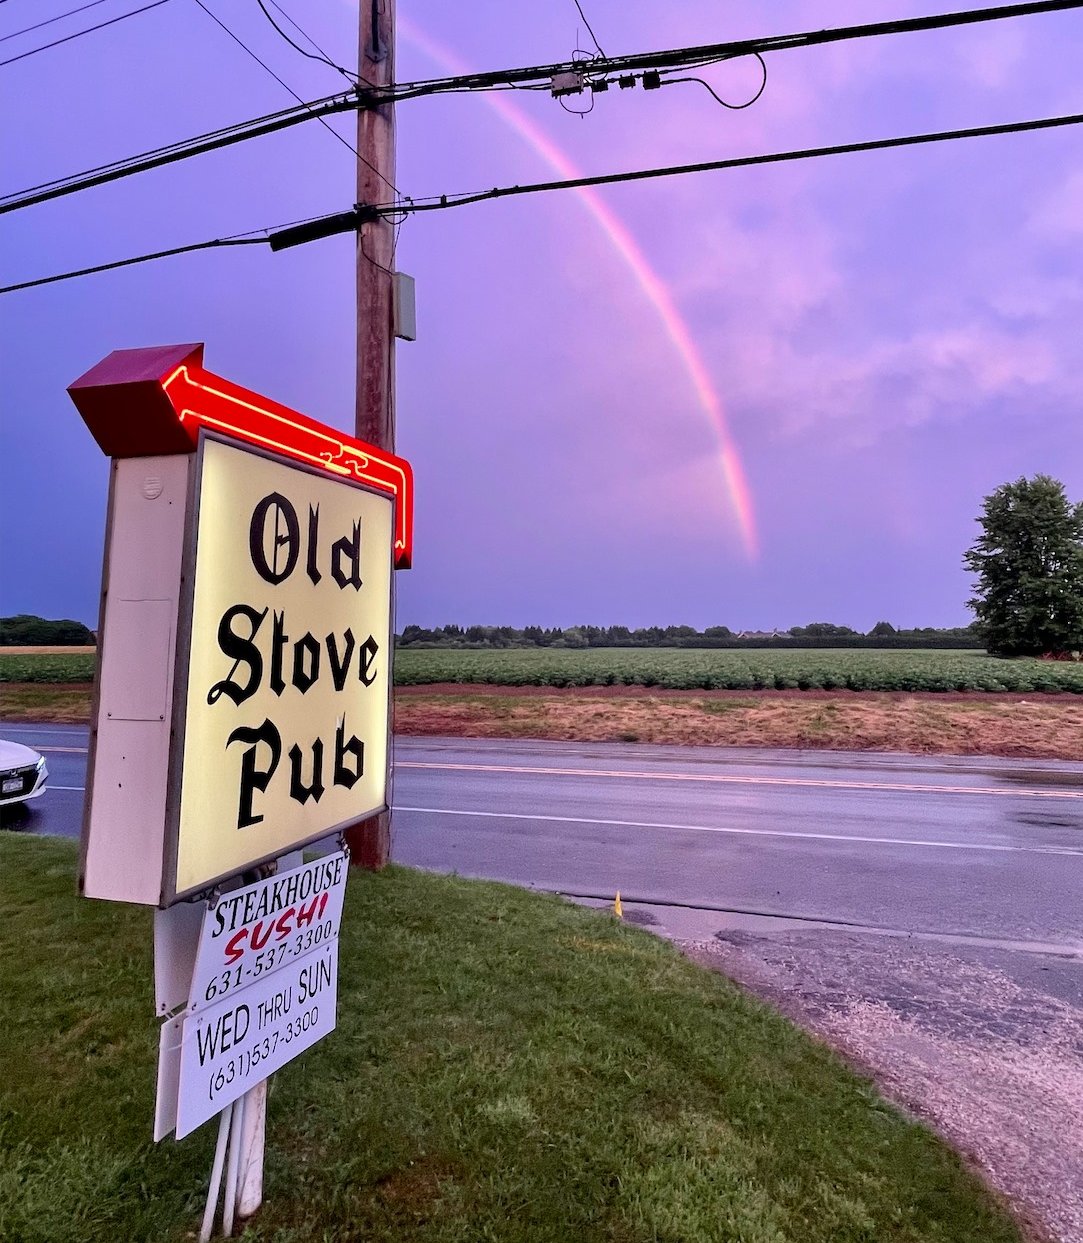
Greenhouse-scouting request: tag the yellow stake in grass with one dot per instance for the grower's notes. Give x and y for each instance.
(618, 910)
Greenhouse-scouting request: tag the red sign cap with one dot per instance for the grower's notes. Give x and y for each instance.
(123, 402)
(141, 403)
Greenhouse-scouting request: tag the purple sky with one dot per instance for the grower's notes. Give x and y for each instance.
(889, 335)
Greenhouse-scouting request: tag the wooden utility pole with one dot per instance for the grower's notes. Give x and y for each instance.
(374, 414)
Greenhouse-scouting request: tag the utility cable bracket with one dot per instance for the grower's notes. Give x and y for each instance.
(328, 226)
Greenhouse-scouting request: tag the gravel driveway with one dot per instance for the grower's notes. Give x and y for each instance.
(984, 1043)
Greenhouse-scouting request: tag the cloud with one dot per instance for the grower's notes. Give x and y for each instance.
(1059, 215)
(839, 304)
(992, 58)
(1056, 299)
(856, 397)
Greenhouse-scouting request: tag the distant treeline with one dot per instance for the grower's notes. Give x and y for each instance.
(25, 630)
(817, 634)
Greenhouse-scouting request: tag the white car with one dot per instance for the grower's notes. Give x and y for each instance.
(22, 773)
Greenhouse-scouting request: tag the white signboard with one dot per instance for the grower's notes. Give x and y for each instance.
(285, 727)
(253, 932)
(231, 1046)
(244, 681)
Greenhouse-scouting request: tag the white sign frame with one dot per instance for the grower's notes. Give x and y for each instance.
(132, 820)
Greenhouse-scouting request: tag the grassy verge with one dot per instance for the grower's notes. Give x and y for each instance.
(36, 701)
(506, 1067)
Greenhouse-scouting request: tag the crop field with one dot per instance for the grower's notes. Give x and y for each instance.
(673, 668)
(45, 666)
(748, 670)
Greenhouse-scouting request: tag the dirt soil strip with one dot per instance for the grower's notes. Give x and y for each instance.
(1033, 726)
(37, 650)
(982, 1043)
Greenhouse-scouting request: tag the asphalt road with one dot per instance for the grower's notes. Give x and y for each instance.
(979, 848)
(989, 849)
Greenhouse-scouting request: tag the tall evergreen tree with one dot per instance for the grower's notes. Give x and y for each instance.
(1028, 563)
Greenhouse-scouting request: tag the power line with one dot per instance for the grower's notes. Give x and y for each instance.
(589, 29)
(181, 150)
(326, 60)
(49, 21)
(718, 98)
(127, 263)
(79, 33)
(322, 54)
(248, 52)
(263, 65)
(297, 235)
(248, 238)
(364, 97)
(350, 221)
(705, 54)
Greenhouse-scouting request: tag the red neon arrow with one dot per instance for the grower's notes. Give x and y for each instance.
(154, 401)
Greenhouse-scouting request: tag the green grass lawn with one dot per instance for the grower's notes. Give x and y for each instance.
(506, 1067)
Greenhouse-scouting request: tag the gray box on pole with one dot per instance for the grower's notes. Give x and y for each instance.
(404, 314)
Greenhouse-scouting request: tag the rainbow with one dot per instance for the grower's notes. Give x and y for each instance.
(649, 281)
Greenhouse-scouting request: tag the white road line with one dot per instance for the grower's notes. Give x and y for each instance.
(70, 789)
(34, 735)
(708, 828)
(758, 757)
(718, 778)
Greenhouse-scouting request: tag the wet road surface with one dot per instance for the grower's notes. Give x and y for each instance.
(990, 849)
(934, 846)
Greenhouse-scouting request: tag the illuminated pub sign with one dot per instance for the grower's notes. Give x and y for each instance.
(243, 692)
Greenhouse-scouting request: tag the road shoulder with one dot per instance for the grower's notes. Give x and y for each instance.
(982, 1043)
